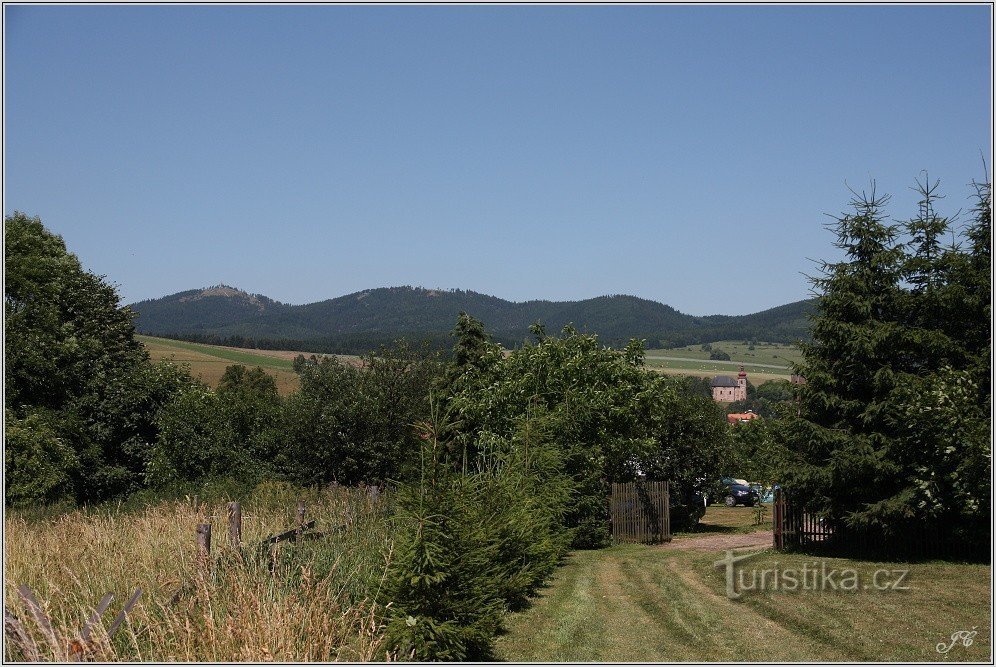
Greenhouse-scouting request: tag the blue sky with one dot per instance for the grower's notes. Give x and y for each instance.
(682, 154)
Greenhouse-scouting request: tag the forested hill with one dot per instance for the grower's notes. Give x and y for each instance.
(361, 321)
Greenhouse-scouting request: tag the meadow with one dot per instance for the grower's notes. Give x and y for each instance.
(636, 602)
(317, 604)
(627, 602)
(774, 354)
(767, 361)
(208, 362)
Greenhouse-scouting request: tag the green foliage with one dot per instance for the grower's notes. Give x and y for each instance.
(352, 425)
(238, 378)
(775, 391)
(64, 333)
(898, 394)
(231, 432)
(609, 418)
(38, 465)
(693, 385)
(473, 539)
(718, 355)
(768, 400)
(755, 453)
(472, 343)
(71, 354)
(688, 441)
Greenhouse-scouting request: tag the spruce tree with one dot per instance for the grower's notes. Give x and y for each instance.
(891, 434)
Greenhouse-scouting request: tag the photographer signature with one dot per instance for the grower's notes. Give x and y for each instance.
(963, 637)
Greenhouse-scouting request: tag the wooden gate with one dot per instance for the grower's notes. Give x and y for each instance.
(640, 512)
(796, 528)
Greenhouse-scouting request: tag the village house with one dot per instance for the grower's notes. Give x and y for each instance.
(741, 417)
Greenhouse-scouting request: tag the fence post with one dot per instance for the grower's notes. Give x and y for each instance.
(776, 519)
(667, 511)
(204, 539)
(300, 521)
(235, 524)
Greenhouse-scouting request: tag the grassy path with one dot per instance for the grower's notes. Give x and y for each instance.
(642, 603)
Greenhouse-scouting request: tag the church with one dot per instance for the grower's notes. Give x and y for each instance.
(726, 390)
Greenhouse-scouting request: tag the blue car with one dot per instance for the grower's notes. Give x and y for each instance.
(737, 492)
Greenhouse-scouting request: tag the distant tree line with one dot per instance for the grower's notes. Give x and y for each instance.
(351, 344)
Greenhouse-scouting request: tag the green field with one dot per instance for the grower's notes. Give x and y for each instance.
(776, 354)
(634, 603)
(208, 362)
(767, 361)
(233, 355)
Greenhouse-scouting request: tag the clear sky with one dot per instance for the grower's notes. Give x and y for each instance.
(682, 154)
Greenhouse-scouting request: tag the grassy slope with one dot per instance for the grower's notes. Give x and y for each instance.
(778, 354)
(646, 603)
(208, 362)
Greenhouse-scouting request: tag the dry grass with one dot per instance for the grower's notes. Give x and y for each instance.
(316, 605)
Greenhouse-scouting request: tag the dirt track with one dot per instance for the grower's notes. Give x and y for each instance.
(721, 542)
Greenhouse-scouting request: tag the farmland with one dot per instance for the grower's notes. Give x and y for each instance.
(775, 354)
(767, 361)
(208, 362)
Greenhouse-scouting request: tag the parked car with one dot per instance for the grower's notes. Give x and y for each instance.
(735, 492)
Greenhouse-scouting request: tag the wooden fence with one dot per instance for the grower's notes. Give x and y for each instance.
(640, 512)
(796, 528)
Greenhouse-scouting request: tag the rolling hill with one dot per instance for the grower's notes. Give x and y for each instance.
(358, 322)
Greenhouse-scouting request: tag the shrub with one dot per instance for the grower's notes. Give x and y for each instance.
(38, 465)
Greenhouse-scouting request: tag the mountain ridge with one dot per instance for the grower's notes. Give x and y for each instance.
(368, 318)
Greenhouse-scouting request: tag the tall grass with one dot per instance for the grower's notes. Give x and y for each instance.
(313, 601)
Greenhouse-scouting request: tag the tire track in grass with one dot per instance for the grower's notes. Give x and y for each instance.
(563, 622)
(637, 631)
(755, 634)
(579, 635)
(808, 637)
(678, 617)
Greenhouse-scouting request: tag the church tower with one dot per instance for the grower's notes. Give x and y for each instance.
(741, 392)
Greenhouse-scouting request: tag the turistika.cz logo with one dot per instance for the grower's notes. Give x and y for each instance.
(813, 576)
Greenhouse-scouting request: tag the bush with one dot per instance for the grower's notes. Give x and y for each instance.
(231, 432)
(38, 465)
(353, 425)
